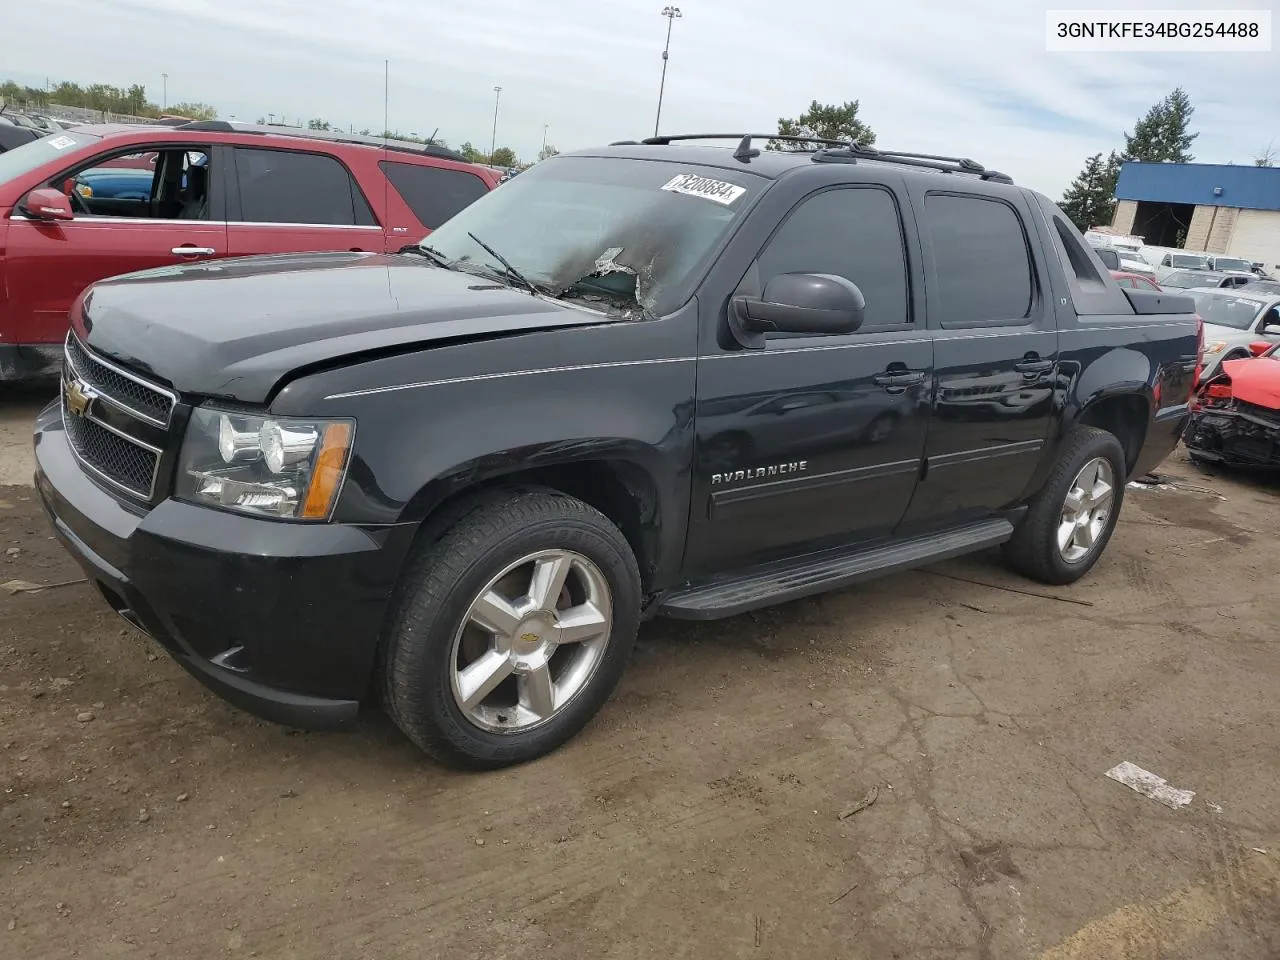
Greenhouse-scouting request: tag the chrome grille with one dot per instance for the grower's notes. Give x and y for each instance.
(115, 421)
(127, 391)
(121, 462)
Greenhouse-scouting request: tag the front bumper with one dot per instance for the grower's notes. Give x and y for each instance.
(281, 619)
(1243, 437)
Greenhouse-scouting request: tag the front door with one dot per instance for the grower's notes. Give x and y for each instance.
(290, 201)
(132, 212)
(814, 439)
(995, 354)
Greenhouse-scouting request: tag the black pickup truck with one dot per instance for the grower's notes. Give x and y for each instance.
(657, 378)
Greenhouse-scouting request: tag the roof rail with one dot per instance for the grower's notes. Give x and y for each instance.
(932, 161)
(835, 151)
(335, 136)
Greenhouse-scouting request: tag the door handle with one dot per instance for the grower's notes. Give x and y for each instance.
(898, 378)
(1032, 365)
(193, 251)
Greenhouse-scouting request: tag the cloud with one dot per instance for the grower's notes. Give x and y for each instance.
(968, 79)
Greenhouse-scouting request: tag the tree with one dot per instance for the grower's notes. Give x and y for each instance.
(547, 151)
(472, 154)
(1267, 158)
(1090, 200)
(317, 124)
(1161, 136)
(503, 157)
(826, 121)
(196, 111)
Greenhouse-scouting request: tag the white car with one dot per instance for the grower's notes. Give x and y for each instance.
(1234, 318)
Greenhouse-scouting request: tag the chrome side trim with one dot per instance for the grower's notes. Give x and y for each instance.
(507, 373)
(197, 223)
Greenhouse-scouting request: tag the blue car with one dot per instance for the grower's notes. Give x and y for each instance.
(115, 183)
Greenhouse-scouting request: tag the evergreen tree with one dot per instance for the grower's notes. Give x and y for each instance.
(1161, 135)
(1090, 200)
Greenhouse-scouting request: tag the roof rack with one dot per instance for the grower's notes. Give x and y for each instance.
(835, 151)
(335, 136)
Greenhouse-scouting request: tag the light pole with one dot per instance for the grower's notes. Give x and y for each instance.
(671, 13)
(545, 127)
(165, 86)
(493, 144)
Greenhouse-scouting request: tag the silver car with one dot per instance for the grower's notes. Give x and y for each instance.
(1233, 319)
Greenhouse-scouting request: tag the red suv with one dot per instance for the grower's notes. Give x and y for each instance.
(97, 201)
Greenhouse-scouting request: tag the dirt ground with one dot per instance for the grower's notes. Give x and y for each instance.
(699, 815)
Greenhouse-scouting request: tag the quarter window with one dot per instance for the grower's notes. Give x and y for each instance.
(434, 194)
(981, 261)
(855, 233)
(282, 186)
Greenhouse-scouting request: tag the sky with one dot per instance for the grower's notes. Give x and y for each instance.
(934, 76)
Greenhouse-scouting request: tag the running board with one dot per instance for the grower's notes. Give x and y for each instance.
(791, 579)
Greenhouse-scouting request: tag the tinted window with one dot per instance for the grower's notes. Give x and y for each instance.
(980, 255)
(434, 194)
(278, 186)
(852, 233)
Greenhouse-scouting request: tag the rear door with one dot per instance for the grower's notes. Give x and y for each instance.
(815, 438)
(287, 201)
(179, 219)
(995, 351)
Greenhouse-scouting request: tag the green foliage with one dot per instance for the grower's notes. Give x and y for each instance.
(131, 100)
(503, 157)
(1161, 135)
(317, 124)
(196, 111)
(472, 154)
(1090, 200)
(829, 121)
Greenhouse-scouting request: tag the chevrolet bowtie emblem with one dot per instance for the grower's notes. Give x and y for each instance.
(80, 397)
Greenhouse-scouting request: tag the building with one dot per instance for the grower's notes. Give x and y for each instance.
(1214, 208)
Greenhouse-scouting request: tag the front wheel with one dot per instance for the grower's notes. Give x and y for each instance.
(1072, 517)
(512, 631)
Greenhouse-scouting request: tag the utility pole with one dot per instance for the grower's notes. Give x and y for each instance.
(672, 14)
(545, 126)
(165, 87)
(493, 144)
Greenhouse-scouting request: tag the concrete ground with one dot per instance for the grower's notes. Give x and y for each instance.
(700, 814)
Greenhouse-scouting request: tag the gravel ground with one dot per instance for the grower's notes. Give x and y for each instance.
(700, 814)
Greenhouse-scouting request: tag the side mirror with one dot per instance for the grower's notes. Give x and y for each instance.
(1110, 259)
(818, 303)
(46, 204)
(1259, 347)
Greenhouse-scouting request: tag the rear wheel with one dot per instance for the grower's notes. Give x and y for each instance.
(512, 631)
(1073, 516)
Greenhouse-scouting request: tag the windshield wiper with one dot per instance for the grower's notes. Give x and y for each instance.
(431, 253)
(511, 271)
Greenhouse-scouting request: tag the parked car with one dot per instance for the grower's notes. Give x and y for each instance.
(461, 476)
(1190, 279)
(1235, 417)
(89, 203)
(1234, 319)
(1234, 265)
(1138, 281)
(12, 136)
(1185, 261)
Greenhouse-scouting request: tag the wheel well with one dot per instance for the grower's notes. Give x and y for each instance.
(622, 491)
(1126, 417)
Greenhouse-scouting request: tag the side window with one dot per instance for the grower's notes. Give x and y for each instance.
(282, 186)
(166, 184)
(981, 259)
(851, 232)
(434, 194)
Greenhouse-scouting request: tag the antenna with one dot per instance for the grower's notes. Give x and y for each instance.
(386, 156)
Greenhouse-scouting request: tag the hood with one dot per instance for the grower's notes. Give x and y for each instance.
(235, 328)
(1255, 381)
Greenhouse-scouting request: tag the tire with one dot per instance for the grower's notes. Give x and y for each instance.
(433, 635)
(1034, 549)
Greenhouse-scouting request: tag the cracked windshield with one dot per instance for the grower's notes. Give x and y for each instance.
(614, 234)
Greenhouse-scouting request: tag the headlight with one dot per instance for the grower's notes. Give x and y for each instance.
(270, 466)
(1216, 347)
